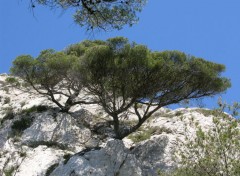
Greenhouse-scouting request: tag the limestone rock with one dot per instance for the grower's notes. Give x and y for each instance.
(112, 160)
(59, 128)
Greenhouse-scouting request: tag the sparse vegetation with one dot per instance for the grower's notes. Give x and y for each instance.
(146, 134)
(51, 144)
(214, 152)
(13, 81)
(23, 154)
(66, 157)
(9, 172)
(34, 109)
(209, 112)
(20, 125)
(178, 113)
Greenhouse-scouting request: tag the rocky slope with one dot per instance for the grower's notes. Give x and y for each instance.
(36, 139)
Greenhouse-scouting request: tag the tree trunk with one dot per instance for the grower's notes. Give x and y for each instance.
(116, 127)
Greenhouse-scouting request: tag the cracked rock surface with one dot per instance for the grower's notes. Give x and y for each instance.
(112, 160)
(80, 143)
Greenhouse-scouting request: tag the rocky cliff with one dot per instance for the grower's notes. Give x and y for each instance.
(36, 139)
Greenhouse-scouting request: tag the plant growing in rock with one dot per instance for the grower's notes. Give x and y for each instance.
(214, 152)
(20, 125)
(119, 75)
(122, 75)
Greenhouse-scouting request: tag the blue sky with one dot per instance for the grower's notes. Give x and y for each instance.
(203, 28)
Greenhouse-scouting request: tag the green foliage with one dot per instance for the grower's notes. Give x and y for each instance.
(119, 75)
(20, 125)
(146, 134)
(49, 74)
(9, 172)
(103, 14)
(214, 152)
(209, 112)
(23, 154)
(123, 75)
(39, 108)
(51, 144)
(13, 81)
(178, 113)
(66, 157)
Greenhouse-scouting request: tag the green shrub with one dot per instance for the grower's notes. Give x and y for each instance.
(66, 157)
(9, 172)
(214, 152)
(35, 109)
(178, 113)
(23, 154)
(51, 144)
(208, 112)
(20, 125)
(144, 135)
(12, 81)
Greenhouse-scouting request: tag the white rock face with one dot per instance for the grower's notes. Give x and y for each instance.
(53, 134)
(60, 128)
(38, 161)
(112, 160)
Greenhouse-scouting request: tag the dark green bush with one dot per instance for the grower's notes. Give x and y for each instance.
(66, 157)
(20, 125)
(12, 81)
(51, 144)
(35, 109)
(146, 134)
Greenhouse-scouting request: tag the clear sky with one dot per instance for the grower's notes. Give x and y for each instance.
(204, 28)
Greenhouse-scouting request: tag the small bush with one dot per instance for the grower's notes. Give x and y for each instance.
(12, 81)
(66, 157)
(48, 144)
(178, 113)
(144, 135)
(9, 172)
(20, 125)
(23, 154)
(214, 152)
(208, 112)
(35, 109)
